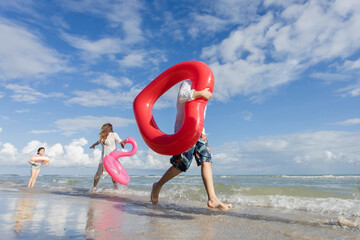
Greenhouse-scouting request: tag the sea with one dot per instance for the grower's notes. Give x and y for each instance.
(338, 195)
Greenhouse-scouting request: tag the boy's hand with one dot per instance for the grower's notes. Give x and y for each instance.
(206, 93)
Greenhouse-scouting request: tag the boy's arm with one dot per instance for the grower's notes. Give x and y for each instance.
(205, 93)
(188, 94)
(185, 92)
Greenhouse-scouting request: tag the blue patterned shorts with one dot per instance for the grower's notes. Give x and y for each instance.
(200, 150)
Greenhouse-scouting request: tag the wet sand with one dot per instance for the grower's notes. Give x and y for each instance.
(35, 214)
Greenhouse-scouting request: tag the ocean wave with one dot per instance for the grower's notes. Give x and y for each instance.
(321, 176)
(338, 206)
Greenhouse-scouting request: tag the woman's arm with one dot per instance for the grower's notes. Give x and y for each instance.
(95, 144)
(118, 139)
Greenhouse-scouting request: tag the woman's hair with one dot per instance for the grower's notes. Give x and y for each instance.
(40, 149)
(105, 130)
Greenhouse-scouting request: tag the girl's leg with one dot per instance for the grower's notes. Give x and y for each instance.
(32, 172)
(37, 171)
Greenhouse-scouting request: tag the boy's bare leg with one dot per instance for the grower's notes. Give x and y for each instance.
(155, 191)
(213, 202)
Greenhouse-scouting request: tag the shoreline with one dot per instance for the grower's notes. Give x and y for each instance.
(29, 214)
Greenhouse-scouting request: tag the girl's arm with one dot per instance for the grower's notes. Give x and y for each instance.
(95, 144)
(32, 162)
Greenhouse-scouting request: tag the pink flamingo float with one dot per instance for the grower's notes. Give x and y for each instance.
(114, 167)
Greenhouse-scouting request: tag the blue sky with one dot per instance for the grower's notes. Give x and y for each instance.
(287, 86)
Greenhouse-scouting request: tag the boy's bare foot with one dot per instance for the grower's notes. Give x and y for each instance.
(216, 203)
(155, 191)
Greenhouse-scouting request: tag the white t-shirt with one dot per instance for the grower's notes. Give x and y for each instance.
(110, 144)
(185, 94)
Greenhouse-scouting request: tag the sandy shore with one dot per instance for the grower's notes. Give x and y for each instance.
(69, 215)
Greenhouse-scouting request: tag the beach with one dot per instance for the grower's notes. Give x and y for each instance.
(61, 207)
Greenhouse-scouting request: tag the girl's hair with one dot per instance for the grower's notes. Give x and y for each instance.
(105, 130)
(40, 149)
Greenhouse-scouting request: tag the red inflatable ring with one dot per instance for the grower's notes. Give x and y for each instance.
(189, 133)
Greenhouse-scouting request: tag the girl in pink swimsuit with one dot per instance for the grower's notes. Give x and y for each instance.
(35, 168)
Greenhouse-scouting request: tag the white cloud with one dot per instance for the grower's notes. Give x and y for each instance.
(145, 160)
(0, 129)
(247, 116)
(101, 97)
(221, 14)
(352, 90)
(118, 13)
(22, 54)
(132, 60)
(277, 47)
(95, 48)
(10, 151)
(142, 58)
(74, 125)
(331, 77)
(126, 14)
(301, 153)
(23, 93)
(352, 121)
(32, 147)
(43, 131)
(2, 94)
(352, 64)
(59, 21)
(124, 99)
(19, 6)
(308, 152)
(111, 81)
(22, 110)
(74, 154)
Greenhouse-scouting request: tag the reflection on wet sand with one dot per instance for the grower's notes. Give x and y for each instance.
(25, 209)
(103, 221)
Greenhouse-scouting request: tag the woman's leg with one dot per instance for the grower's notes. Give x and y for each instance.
(96, 181)
(98, 174)
(115, 183)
